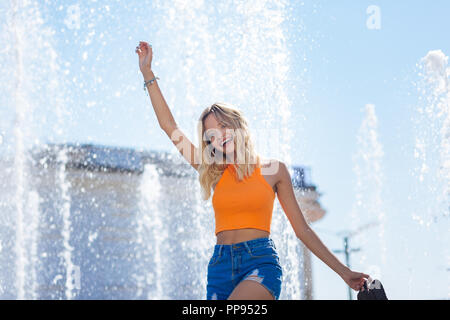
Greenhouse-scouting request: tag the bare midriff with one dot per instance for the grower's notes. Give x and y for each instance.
(240, 235)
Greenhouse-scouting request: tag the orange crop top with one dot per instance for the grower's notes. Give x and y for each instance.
(242, 204)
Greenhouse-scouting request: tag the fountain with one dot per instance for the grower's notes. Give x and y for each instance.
(431, 119)
(152, 234)
(432, 141)
(368, 210)
(90, 221)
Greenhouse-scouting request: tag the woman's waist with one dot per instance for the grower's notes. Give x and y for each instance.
(236, 236)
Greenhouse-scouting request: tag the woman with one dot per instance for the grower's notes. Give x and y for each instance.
(245, 263)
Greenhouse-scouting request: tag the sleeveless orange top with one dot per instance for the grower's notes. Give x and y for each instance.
(242, 204)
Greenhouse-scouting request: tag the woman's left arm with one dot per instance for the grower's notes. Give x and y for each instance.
(286, 196)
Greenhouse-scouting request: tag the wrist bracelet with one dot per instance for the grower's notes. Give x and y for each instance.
(149, 82)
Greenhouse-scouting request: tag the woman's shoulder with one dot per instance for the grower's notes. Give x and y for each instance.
(270, 166)
(267, 161)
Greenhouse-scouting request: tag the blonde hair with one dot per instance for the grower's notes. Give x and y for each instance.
(209, 170)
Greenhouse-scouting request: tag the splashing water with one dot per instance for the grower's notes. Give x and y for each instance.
(61, 228)
(432, 144)
(27, 46)
(21, 214)
(368, 211)
(432, 154)
(151, 235)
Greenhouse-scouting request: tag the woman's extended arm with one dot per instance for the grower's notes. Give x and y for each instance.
(162, 111)
(292, 210)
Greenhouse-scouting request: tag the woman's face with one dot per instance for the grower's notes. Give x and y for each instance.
(218, 133)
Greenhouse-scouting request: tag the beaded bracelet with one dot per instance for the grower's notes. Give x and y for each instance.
(149, 82)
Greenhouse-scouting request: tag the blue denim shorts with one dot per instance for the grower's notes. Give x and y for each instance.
(255, 260)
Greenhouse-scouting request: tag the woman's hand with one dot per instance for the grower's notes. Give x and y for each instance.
(145, 53)
(355, 280)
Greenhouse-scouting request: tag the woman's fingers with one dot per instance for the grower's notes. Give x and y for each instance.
(145, 43)
(363, 276)
(144, 48)
(139, 49)
(144, 51)
(357, 281)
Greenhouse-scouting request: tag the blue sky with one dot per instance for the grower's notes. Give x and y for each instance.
(352, 66)
(337, 66)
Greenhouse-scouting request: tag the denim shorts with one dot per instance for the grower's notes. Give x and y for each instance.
(255, 260)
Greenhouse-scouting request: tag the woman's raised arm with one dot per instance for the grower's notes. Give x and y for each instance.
(162, 111)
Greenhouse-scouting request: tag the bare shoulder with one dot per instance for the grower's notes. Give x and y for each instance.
(273, 167)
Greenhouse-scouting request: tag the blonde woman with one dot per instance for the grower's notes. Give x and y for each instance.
(245, 263)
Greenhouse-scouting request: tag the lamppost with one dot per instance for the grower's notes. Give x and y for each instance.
(347, 251)
(346, 235)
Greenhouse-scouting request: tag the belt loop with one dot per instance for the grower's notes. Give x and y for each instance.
(247, 247)
(220, 250)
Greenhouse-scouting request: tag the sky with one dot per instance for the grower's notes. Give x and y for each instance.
(337, 64)
(353, 66)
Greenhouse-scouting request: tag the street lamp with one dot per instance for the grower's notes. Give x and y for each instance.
(347, 252)
(346, 235)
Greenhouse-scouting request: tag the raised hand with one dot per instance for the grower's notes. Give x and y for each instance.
(145, 53)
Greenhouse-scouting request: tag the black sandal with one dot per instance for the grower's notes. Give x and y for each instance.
(373, 291)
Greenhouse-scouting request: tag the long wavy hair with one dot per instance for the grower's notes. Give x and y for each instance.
(211, 168)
